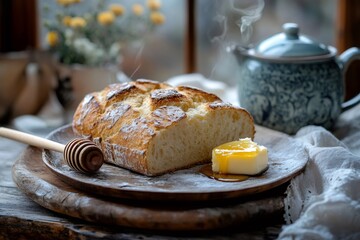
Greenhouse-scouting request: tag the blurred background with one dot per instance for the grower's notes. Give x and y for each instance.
(217, 25)
(196, 33)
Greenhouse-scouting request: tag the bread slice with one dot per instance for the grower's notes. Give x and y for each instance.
(153, 128)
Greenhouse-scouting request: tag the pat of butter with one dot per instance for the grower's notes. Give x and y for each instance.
(240, 157)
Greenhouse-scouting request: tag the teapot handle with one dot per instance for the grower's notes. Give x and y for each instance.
(346, 58)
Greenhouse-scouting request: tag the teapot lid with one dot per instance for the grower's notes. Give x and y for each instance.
(289, 44)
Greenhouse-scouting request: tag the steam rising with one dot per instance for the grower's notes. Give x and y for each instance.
(243, 13)
(249, 15)
(221, 20)
(140, 46)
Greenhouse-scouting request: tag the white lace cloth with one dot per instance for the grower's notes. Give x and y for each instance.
(324, 201)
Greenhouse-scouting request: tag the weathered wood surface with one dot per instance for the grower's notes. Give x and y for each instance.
(22, 218)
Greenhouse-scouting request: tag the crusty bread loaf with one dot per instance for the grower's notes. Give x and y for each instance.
(153, 128)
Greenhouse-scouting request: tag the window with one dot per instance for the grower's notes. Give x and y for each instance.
(161, 56)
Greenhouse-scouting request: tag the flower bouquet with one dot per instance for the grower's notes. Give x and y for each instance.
(93, 34)
(87, 37)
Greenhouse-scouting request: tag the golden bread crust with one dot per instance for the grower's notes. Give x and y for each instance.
(125, 119)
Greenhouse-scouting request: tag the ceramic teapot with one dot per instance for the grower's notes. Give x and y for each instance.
(289, 81)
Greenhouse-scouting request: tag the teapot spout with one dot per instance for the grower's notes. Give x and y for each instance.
(241, 53)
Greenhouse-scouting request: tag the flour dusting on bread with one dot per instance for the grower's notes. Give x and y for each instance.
(153, 128)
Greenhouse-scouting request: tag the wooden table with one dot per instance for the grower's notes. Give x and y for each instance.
(21, 218)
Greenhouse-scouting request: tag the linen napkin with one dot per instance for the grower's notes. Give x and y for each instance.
(324, 201)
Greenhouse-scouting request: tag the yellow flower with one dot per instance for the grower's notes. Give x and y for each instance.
(154, 4)
(106, 18)
(138, 9)
(117, 9)
(66, 21)
(157, 18)
(77, 22)
(65, 2)
(52, 38)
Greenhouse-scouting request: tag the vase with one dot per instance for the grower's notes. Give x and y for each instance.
(25, 83)
(74, 82)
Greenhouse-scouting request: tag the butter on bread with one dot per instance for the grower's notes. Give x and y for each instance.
(153, 128)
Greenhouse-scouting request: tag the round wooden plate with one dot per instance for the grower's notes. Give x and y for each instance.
(183, 185)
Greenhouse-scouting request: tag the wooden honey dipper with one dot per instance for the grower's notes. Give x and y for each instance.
(80, 154)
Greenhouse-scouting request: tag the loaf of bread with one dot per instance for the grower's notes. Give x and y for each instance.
(153, 128)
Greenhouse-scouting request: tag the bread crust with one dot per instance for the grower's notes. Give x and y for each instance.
(126, 119)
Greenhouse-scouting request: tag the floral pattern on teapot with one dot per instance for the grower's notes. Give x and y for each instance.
(288, 96)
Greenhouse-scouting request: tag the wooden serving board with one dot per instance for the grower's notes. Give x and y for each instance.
(45, 187)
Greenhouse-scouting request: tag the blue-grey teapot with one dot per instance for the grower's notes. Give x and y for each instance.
(289, 81)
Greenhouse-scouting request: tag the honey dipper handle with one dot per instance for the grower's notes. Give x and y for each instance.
(31, 139)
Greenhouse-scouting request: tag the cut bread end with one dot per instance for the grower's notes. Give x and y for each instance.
(191, 141)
